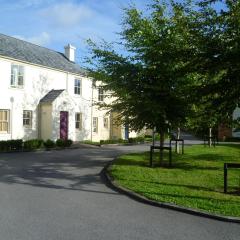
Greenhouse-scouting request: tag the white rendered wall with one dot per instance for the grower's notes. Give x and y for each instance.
(38, 81)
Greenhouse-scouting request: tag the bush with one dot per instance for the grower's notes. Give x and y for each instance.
(10, 145)
(136, 140)
(33, 144)
(90, 142)
(148, 136)
(64, 143)
(68, 143)
(49, 143)
(60, 143)
(15, 144)
(113, 141)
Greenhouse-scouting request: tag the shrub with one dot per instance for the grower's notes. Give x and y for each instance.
(148, 136)
(136, 140)
(16, 144)
(60, 143)
(33, 144)
(90, 142)
(11, 145)
(68, 143)
(64, 143)
(49, 143)
(113, 141)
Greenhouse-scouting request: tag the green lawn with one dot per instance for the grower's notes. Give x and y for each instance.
(195, 180)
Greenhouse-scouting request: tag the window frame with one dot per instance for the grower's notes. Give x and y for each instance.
(27, 118)
(95, 124)
(101, 94)
(106, 123)
(78, 121)
(78, 87)
(15, 76)
(6, 121)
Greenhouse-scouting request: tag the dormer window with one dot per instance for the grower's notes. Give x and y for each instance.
(17, 75)
(77, 86)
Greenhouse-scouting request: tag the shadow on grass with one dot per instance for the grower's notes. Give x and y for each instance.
(236, 146)
(192, 187)
(189, 197)
(212, 157)
(189, 167)
(165, 164)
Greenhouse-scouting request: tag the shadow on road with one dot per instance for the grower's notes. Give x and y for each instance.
(76, 170)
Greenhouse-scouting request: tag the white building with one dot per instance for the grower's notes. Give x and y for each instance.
(45, 94)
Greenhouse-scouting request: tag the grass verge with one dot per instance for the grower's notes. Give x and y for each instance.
(195, 180)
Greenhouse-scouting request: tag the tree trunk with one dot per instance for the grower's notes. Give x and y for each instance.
(153, 137)
(210, 137)
(178, 137)
(161, 145)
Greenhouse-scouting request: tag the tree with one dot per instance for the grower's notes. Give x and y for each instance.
(149, 82)
(218, 33)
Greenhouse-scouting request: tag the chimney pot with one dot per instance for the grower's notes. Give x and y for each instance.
(70, 52)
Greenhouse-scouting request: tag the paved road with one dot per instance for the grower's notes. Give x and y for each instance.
(59, 195)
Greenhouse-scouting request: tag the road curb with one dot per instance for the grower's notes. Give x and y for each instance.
(112, 184)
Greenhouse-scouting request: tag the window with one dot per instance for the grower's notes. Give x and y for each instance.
(78, 121)
(77, 86)
(4, 121)
(27, 118)
(100, 95)
(17, 76)
(105, 122)
(95, 124)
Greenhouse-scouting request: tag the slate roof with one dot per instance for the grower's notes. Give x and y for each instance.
(51, 96)
(24, 51)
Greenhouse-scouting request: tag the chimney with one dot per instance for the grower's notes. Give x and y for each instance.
(70, 52)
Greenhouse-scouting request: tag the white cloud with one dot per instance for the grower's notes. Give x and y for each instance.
(43, 39)
(66, 15)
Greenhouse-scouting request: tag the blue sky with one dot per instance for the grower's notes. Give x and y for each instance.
(54, 23)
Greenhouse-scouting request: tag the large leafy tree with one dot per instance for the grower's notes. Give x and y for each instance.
(151, 81)
(218, 30)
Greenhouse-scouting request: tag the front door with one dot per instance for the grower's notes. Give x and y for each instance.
(64, 125)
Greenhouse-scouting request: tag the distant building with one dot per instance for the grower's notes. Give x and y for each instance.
(226, 132)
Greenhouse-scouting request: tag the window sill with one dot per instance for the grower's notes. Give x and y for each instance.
(78, 130)
(16, 88)
(77, 95)
(27, 127)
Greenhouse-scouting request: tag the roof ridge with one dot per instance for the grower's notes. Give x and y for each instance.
(22, 50)
(49, 49)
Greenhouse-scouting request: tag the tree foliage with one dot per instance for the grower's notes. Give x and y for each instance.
(150, 81)
(180, 61)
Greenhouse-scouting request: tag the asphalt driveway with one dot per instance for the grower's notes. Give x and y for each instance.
(59, 195)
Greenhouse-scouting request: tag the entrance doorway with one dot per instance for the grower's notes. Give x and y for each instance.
(64, 125)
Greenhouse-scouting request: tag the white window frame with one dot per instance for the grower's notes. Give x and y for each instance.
(5, 121)
(27, 117)
(78, 121)
(101, 95)
(17, 76)
(106, 122)
(95, 124)
(78, 86)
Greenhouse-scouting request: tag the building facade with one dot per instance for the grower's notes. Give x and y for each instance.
(45, 94)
